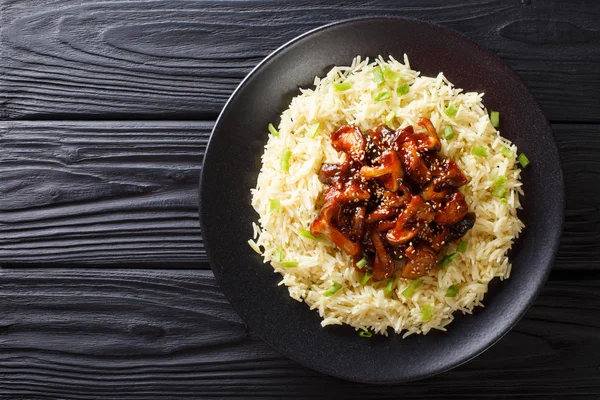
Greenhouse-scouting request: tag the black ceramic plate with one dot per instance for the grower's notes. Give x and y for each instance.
(232, 164)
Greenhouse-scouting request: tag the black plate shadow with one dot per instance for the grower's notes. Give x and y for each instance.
(232, 164)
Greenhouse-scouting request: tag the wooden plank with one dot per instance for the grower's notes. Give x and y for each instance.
(125, 193)
(182, 59)
(101, 192)
(579, 147)
(138, 334)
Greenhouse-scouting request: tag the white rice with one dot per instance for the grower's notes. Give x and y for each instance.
(320, 264)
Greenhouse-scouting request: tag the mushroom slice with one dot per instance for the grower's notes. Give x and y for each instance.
(323, 225)
(459, 229)
(447, 173)
(433, 141)
(383, 264)
(415, 216)
(385, 225)
(413, 163)
(333, 174)
(358, 222)
(350, 140)
(453, 211)
(389, 170)
(421, 261)
(382, 212)
(430, 193)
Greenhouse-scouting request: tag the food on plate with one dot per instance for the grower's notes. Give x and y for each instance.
(387, 200)
(393, 198)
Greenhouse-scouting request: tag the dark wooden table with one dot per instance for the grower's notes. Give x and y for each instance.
(105, 111)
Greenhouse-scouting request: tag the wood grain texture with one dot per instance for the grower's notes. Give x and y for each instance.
(98, 192)
(182, 59)
(138, 334)
(579, 147)
(123, 193)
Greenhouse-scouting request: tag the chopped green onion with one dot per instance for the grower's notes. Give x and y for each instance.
(342, 86)
(391, 75)
(506, 152)
(274, 205)
(500, 180)
(402, 90)
(273, 131)
(426, 312)
(285, 160)
(361, 264)
(383, 95)
(388, 119)
(277, 256)
(452, 291)
(334, 288)
(447, 260)
(289, 264)
(451, 110)
(479, 151)
(389, 286)
(366, 278)
(305, 233)
(313, 129)
(523, 160)
(462, 246)
(448, 132)
(410, 289)
(495, 118)
(504, 200)
(365, 334)
(499, 192)
(378, 75)
(254, 246)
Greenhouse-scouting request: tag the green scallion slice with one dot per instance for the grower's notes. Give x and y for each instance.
(506, 152)
(391, 75)
(462, 246)
(479, 151)
(495, 118)
(452, 291)
(389, 118)
(426, 313)
(285, 160)
(342, 86)
(504, 200)
(273, 131)
(451, 110)
(274, 205)
(403, 89)
(361, 264)
(443, 263)
(306, 233)
(523, 160)
(289, 264)
(499, 192)
(365, 334)
(448, 132)
(500, 180)
(313, 129)
(378, 76)
(277, 257)
(410, 289)
(333, 289)
(366, 277)
(389, 286)
(383, 95)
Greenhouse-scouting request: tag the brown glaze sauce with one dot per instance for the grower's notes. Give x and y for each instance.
(393, 198)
